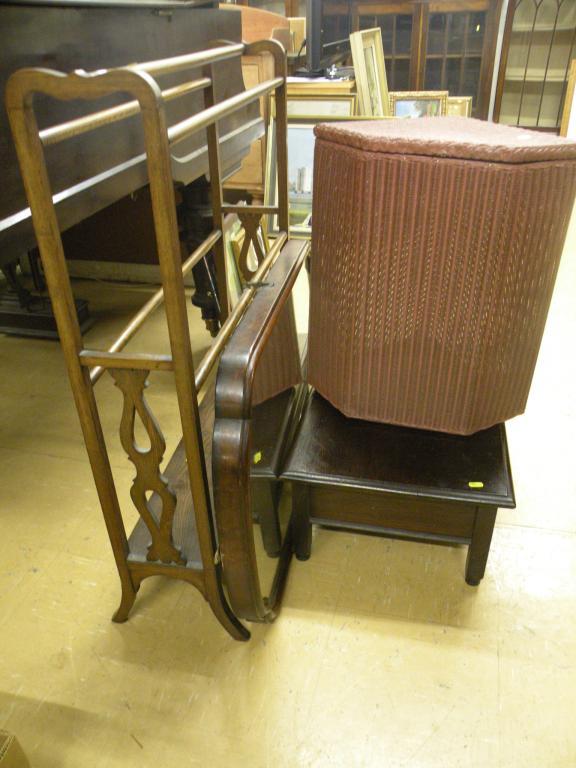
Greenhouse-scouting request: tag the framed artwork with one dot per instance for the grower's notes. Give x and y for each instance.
(301, 142)
(319, 86)
(300, 170)
(322, 106)
(314, 105)
(370, 72)
(459, 106)
(418, 103)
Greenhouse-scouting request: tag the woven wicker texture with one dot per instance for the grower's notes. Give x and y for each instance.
(457, 137)
(279, 367)
(431, 281)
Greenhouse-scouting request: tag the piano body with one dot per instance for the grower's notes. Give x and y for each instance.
(95, 173)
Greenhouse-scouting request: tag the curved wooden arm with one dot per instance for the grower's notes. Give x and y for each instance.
(231, 450)
(237, 369)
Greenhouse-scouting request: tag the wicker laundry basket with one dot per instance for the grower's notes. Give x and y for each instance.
(435, 248)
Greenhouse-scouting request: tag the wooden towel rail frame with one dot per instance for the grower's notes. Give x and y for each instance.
(163, 555)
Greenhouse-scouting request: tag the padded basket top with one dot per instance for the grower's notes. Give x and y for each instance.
(453, 137)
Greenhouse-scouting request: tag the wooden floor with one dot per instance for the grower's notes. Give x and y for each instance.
(382, 655)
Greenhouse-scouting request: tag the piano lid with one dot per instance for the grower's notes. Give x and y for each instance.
(91, 171)
(161, 4)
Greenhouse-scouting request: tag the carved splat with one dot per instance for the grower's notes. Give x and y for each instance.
(251, 224)
(148, 478)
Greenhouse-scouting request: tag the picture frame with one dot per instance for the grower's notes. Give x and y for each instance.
(312, 105)
(370, 71)
(459, 106)
(305, 128)
(298, 30)
(232, 230)
(319, 86)
(418, 103)
(300, 172)
(321, 106)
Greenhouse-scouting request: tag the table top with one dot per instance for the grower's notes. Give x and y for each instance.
(331, 449)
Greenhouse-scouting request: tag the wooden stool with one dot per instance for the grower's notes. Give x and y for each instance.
(396, 481)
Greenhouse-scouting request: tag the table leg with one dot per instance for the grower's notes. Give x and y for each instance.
(301, 520)
(480, 544)
(265, 511)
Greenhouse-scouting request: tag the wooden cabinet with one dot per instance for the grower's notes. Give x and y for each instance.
(437, 45)
(539, 44)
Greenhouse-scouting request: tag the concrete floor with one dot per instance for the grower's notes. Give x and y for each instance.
(382, 656)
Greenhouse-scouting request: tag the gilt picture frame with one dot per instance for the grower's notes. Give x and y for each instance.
(418, 103)
(459, 106)
(370, 72)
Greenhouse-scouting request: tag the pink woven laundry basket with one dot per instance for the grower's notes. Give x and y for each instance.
(435, 248)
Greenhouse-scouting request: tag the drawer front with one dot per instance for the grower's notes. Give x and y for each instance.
(349, 507)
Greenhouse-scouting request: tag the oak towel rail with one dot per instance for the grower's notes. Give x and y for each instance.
(172, 540)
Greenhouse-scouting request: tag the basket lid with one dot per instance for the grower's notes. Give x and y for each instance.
(454, 137)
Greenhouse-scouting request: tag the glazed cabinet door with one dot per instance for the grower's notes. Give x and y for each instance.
(434, 45)
(459, 39)
(539, 44)
(398, 22)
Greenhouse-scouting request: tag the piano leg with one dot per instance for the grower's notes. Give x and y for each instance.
(27, 313)
(10, 272)
(195, 221)
(36, 271)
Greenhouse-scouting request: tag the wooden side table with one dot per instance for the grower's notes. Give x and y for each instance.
(395, 481)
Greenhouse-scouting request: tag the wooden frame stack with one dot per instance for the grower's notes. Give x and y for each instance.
(370, 71)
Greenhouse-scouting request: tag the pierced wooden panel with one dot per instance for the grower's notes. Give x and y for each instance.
(149, 480)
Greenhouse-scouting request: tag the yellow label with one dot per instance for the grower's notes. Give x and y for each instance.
(476, 484)
(257, 457)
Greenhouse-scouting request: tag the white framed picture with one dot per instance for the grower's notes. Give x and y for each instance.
(301, 142)
(322, 106)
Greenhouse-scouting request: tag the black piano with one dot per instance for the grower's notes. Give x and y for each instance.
(100, 177)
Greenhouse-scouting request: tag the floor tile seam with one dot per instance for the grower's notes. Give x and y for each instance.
(62, 457)
(366, 613)
(28, 452)
(68, 553)
(58, 552)
(544, 529)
